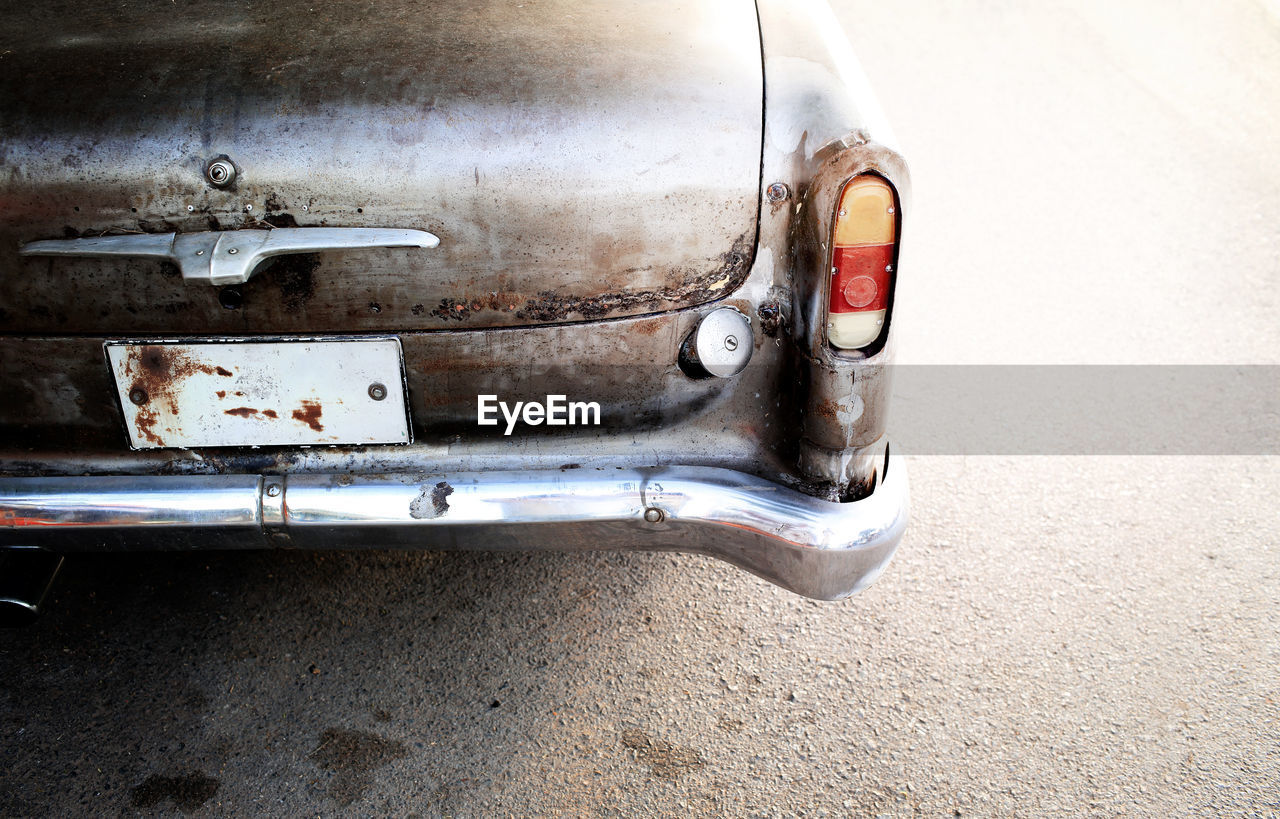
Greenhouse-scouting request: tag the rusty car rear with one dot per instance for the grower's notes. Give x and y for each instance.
(627, 205)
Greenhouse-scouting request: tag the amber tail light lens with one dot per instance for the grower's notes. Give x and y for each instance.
(864, 241)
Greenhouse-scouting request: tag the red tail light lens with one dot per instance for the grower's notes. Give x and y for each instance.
(863, 245)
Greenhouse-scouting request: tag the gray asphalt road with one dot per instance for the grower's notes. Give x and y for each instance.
(1093, 184)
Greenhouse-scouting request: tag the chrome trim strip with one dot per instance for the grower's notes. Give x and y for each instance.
(128, 502)
(230, 256)
(810, 546)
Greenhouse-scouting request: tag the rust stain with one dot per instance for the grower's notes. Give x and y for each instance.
(144, 420)
(243, 412)
(170, 363)
(155, 369)
(309, 414)
(827, 409)
(734, 265)
(648, 328)
(270, 413)
(771, 318)
(459, 309)
(452, 309)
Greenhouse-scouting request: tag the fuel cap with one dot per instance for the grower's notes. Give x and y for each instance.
(721, 344)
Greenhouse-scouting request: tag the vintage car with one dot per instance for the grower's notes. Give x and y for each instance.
(556, 274)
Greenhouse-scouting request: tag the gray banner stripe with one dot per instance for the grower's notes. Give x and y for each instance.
(1086, 410)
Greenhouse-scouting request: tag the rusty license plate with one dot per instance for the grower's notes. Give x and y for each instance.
(252, 393)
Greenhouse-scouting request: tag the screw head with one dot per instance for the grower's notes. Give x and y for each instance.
(273, 489)
(220, 173)
(654, 515)
(777, 192)
(138, 396)
(377, 391)
(731, 342)
(233, 251)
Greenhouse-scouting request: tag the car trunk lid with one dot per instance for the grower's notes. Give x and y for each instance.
(576, 160)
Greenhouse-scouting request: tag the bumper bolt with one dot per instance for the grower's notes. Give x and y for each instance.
(777, 192)
(273, 490)
(377, 392)
(138, 396)
(654, 515)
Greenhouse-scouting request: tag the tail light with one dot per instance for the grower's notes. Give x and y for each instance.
(864, 242)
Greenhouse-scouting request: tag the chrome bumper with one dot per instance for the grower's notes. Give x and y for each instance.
(812, 547)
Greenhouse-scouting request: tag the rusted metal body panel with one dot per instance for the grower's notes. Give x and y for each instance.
(61, 416)
(551, 147)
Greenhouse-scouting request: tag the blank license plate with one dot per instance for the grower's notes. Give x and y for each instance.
(244, 394)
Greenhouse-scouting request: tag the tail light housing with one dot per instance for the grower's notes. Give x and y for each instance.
(864, 246)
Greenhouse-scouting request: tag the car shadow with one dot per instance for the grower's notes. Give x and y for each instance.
(169, 679)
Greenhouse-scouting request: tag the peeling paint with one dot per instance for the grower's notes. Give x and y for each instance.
(431, 502)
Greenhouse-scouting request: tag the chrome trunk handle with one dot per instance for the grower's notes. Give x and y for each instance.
(229, 257)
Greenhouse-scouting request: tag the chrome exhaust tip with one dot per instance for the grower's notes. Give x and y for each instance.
(26, 576)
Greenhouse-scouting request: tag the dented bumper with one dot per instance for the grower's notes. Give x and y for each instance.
(810, 546)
